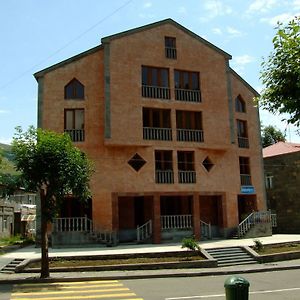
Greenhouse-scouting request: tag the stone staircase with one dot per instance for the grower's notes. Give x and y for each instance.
(231, 256)
(11, 267)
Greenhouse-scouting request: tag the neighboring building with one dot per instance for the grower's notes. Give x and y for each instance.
(171, 128)
(282, 176)
(18, 214)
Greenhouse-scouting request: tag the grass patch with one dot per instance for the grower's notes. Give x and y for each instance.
(15, 240)
(272, 249)
(59, 263)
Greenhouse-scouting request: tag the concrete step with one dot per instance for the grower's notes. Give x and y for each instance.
(11, 267)
(231, 256)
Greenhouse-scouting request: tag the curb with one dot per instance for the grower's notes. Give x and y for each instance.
(144, 276)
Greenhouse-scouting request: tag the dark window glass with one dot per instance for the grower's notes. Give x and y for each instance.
(186, 80)
(170, 42)
(163, 160)
(185, 160)
(242, 128)
(189, 120)
(244, 165)
(74, 119)
(136, 162)
(240, 105)
(74, 90)
(155, 76)
(207, 163)
(158, 118)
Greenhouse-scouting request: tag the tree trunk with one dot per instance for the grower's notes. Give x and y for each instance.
(44, 238)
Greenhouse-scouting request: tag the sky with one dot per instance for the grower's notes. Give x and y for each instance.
(36, 34)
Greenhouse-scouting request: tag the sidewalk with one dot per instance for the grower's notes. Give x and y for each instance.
(32, 252)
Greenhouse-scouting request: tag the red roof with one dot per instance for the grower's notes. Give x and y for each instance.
(280, 148)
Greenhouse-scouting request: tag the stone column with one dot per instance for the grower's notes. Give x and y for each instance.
(156, 219)
(196, 216)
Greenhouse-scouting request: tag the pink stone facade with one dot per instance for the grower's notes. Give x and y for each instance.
(123, 198)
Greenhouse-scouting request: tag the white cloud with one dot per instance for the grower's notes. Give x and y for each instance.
(217, 31)
(262, 6)
(147, 4)
(233, 32)
(3, 111)
(296, 4)
(5, 140)
(282, 18)
(239, 62)
(216, 8)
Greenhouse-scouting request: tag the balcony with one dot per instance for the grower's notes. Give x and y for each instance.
(246, 179)
(155, 92)
(190, 135)
(157, 134)
(171, 52)
(243, 142)
(187, 176)
(77, 135)
(188, 95)
(164, 176)
(176, 222)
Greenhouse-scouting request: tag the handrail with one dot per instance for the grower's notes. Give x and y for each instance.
(256, 217)
(205, 229)
(144, 231)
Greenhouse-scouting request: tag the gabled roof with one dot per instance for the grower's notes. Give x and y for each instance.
(66, 61)
(280, 148)
(244, 82)
(163, 22)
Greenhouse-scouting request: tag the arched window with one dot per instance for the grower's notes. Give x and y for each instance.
(240, 105)
(74, 90)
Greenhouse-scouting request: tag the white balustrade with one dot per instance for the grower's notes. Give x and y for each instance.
(176, 222)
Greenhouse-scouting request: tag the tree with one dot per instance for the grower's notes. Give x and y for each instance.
(51, 164)
(281, 73)
(271, 135)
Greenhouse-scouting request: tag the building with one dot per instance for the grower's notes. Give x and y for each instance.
(17, 214)
(172, 131)
(282, 175)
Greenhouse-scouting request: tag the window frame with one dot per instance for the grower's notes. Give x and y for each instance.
(75, 93)
(149, 80)
(180, 77)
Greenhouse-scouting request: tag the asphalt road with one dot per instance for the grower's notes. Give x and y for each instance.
(269, 285)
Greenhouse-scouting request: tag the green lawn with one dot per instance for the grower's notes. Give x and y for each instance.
(271, 249)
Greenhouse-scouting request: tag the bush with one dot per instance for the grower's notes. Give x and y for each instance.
(258, 245)
(191, 244)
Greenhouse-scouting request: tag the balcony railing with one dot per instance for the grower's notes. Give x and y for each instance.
(164, 176)
(176, 222)
(188, 95)
(171, 52)
(82, 224)
(243, 142)
(246, 179)
(77, 135)
(156, 92)
(187, 176)
(190, 135)
(161, 134)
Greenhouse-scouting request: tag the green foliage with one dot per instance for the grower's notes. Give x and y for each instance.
(9, 183)
(271, 135)
(258, 245)
(281, 73)
(49, 161)
(16, 240)
(191, 244)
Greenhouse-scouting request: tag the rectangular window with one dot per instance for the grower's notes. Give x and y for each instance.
(269, 182)
(164, 166)
(188, 120)
(159, 118)
(242, 134)
(74, 124)
(245, 170)
(152, 76)
(170, 47)
(186, 80)
(185, 160)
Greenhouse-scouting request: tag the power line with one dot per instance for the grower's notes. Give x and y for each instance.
(66, 45)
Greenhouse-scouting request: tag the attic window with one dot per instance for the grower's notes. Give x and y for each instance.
(136, 162)
(170, 47)
(74, 90)
(207, 163)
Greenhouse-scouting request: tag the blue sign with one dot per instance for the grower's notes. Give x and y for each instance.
(247, 189)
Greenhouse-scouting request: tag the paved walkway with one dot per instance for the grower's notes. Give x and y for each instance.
(32, 252)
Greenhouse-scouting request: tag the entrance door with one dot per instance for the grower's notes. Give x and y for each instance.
(246, 205)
